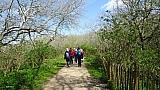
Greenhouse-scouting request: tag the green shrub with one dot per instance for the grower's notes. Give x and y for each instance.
(30, 78)
(17, 80)
(41, 52)
(34, 66)
(89, 50)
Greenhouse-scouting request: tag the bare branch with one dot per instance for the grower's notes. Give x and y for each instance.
(40, 17)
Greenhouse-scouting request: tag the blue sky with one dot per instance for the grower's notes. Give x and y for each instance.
(92, 11)
(94, 7)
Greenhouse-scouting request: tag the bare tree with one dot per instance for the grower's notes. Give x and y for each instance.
(28, 19)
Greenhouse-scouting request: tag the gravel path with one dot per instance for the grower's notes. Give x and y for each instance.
(73, 78)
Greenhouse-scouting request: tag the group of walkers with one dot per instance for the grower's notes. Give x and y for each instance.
(76, 55)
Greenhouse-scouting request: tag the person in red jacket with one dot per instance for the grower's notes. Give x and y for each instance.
(71, 55)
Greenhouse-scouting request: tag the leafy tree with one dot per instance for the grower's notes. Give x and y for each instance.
(131, 34)
(132, 26)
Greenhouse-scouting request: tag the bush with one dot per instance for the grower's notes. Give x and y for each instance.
(30, 65)
(17, 80)
(41, 52)
(89, 50)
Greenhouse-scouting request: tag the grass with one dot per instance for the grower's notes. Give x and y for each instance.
(95, 68)
(49, 69)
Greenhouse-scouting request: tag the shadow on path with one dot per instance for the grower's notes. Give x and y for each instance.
(73, 78)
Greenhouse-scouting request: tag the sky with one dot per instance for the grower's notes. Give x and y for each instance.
(93, 9)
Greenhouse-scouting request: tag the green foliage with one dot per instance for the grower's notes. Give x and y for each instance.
(89, 50)
(131, 35)
(25, 68)
(28, 78)
(17, 79)
(147, 58)
(41, 52)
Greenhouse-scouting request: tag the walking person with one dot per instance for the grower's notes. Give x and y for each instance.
(75, 56)
(83, 55)
(67, 57)
(79, 56)
(71, 51)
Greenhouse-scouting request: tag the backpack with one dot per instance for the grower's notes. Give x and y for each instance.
(67, 55)
(79, 53)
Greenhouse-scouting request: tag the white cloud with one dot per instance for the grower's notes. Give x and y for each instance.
(112, 4)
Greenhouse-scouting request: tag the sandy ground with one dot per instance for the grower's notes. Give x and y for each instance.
(73, 78)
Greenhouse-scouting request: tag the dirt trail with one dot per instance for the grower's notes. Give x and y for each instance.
(73, 78)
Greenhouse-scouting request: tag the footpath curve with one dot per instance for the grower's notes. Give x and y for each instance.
(73, 78)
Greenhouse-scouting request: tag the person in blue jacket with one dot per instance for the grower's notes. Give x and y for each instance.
(79, 56)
